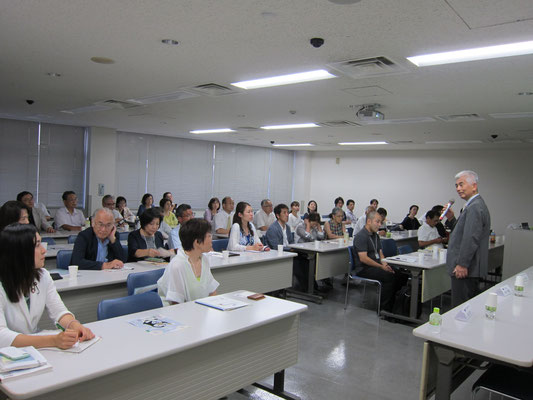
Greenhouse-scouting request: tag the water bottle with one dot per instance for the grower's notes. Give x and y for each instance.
(435, 320)
(492, 237)
(491, 306)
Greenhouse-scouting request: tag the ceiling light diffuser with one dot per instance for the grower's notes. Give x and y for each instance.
(291, 126)
(479, 53)
(454, 142)
(220, 130)
(285, 79)
(292, 144)
(360, 143)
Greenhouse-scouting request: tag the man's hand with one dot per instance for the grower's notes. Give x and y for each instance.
(115, 264)
(386, 267)
(50, 230)
(111, 236)
(460, 272)
(449, 214)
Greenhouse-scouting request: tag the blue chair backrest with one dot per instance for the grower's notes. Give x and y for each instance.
(128, 305)
(48, 240)
(63, 259)
(220, 244)
(389, 248)
(123, 235)
(72, 238)
(140, 282)
(405, 249)
(350, 231)
(352, 259)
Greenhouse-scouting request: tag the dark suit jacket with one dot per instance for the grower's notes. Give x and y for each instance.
(274, 235)
(469, 241)
(136, 242)
(86, 249)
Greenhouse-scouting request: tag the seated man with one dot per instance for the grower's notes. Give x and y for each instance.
(369, 258)
(279, 232)
(224, 217)
(69, 217)
(264, 217)
(450, 220)
(427, 233)
(108, 201)
(383, 228)
(350, 216)
(184, 214)
(361, 222)
(35, 215)
(99, 247)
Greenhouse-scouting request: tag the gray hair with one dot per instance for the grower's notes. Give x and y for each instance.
(370, 216)
(336, 210)
(264, 202)
(105, 211)
(470, 176)
(368, 209)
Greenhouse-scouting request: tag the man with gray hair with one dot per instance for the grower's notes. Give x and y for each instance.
(468, 248)
(99, 247)
(264, 217)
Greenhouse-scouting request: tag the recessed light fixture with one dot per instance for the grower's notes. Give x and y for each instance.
(478, 53)
(220, 130)
(291, 126)
(360, 143)
(170, 42)
(454, 142)
(102, 60)
(292, 144)
(525, 94)
(53, 74)
(285, 79)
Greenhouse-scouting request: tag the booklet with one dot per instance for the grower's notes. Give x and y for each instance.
(34, 363)
(221, 303)
(157, 324)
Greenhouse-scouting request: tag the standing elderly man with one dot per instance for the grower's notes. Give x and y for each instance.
(99, 247)
(265, 216)
(468, 249)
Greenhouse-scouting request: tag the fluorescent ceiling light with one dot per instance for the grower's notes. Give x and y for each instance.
(221, 130)
(454, 142)
(512, 115)
(291, 126)
(285, 79)
(360, 143)
(479, 53)
(292, 144)
(397, 121)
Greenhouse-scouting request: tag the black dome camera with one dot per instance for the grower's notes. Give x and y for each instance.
(316, 42)
(30, 102)
(494, 136)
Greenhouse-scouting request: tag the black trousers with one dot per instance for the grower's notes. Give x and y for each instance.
(463, 289)
(390, 284)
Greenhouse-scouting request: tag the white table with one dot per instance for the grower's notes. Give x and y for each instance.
(504, 340)
(260, 272)
(217, 354)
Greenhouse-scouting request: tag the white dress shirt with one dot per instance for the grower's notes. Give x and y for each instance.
(64, 217)
(221, 220)
(261, 219)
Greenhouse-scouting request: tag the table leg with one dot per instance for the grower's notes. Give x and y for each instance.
(278, 388)
(443, 385)
(415, 280)
(309, 295)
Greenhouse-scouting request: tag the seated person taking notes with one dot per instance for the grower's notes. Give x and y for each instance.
(188, 276)
(146, 241)
(279, 232)
(69, 217)
(223, 218)
(428, 234)
(99, 247)
(184, 213)
(26, 290)
(243, 235)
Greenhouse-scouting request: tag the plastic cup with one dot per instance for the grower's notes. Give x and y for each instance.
(420, 258)
(225, 254)
(72, 271)
(442, 255)
(435, 252)
(317, 244)
(280, 249)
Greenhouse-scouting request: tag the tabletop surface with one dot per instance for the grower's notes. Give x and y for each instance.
(132, 346)
(323, 246)
(216, 261)
(412, 260)
(506, 338)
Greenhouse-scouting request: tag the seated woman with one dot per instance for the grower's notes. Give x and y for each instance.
(312, 232)
(212, 209)
(410, 222)
(168, 216)
(146, 241)
(334, 228)
(27, 289)
(243, 235)
(122, 207)
(13, 211)
(188, 276)
(312, 207)
(146, 202)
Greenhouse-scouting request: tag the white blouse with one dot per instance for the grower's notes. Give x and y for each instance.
(237, 239)
(16, 318)
(179, 284)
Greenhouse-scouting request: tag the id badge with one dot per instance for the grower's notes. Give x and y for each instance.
(376, 255)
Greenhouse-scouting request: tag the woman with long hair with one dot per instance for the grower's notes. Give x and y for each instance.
(243, 235)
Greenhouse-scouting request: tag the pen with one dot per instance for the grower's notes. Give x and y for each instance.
(60, 327)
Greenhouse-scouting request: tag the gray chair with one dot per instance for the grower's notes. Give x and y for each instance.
(353, 276)
(504, 381)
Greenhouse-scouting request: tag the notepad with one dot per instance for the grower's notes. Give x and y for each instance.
(77, 348)
(221, 303)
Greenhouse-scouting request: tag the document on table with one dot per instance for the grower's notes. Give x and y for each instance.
(157, 324)
(221, 303)
(77, 348)
(409, 259)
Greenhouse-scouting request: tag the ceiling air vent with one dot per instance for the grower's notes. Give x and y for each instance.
(117, 104)
(248, 129)
(86, 109)
(368, 67)
(338, 124)
(402, 142)
(213, 89)
(162, 98)
(459, 118)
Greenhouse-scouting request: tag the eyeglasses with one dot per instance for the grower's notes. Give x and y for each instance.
(110, 204)
(100, 225)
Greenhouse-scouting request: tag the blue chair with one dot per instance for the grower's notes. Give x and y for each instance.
(71, 239)
(48, 240)
(123, 235)
(128, 305)
(141, 282)
(350, 231)
(63, 259)
(405, 249)
(354, 276)
(220, 244)
(389, 247)
(508, 382)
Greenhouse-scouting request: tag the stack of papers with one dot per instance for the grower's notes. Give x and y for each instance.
(34, 362)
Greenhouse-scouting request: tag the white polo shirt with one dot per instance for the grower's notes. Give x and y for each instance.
(427, 233)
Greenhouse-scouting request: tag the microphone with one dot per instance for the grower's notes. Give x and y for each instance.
(448, 206)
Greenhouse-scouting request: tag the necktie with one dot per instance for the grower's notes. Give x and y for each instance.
(228, 227)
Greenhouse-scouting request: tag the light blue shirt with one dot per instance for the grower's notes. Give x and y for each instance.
(174, 241)
(470, 200)
(101, 255)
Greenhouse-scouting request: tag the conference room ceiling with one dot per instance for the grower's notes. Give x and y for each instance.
(225, 41)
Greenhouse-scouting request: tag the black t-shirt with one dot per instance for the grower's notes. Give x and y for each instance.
(410, 224)
(370, 243)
